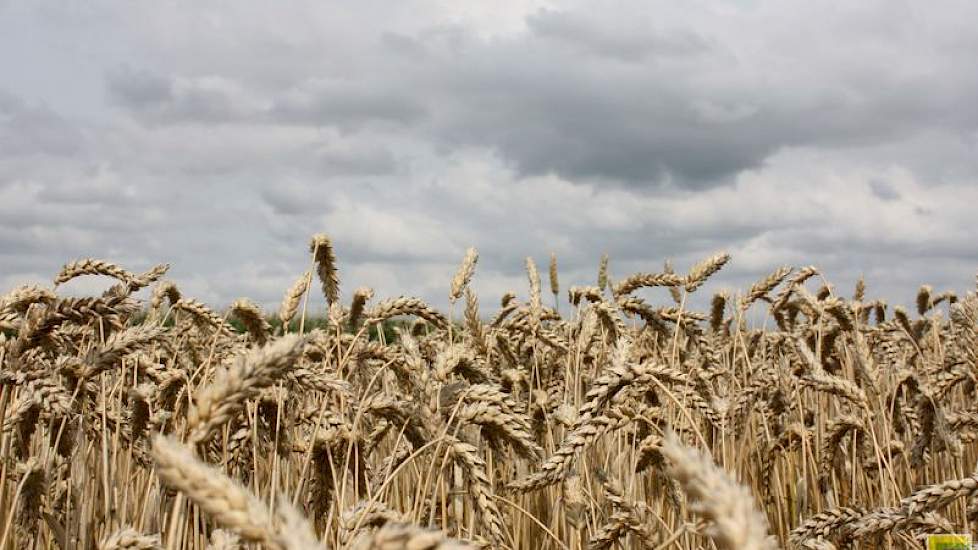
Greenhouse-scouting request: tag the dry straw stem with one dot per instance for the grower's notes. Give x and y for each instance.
(324, 257)
(230, 505)
(464, 274)
(225, 396)
(736, 523)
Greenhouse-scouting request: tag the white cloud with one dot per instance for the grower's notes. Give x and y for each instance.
(219, 138)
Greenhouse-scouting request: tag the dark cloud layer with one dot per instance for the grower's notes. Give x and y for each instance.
(620, 98)
(32, 130)
(220, 138)
(630, 41)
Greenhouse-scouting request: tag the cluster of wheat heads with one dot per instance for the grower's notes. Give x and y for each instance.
(826, 422)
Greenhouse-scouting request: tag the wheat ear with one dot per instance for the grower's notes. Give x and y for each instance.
(736, 522)
(224, 397)
(128, 538)
(463, 275)
(321, 248)
(228, 503)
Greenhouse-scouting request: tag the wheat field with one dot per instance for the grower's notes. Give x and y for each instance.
(787, 415)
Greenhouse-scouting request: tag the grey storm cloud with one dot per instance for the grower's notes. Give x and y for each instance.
(167, 100)
(219, 138)
(617, 99)
(345, 104)
(635, 43)
(27, 129)
(884, 190)
(369, 161)
(139, 89)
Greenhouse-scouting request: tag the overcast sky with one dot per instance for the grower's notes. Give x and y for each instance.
(219, 136)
